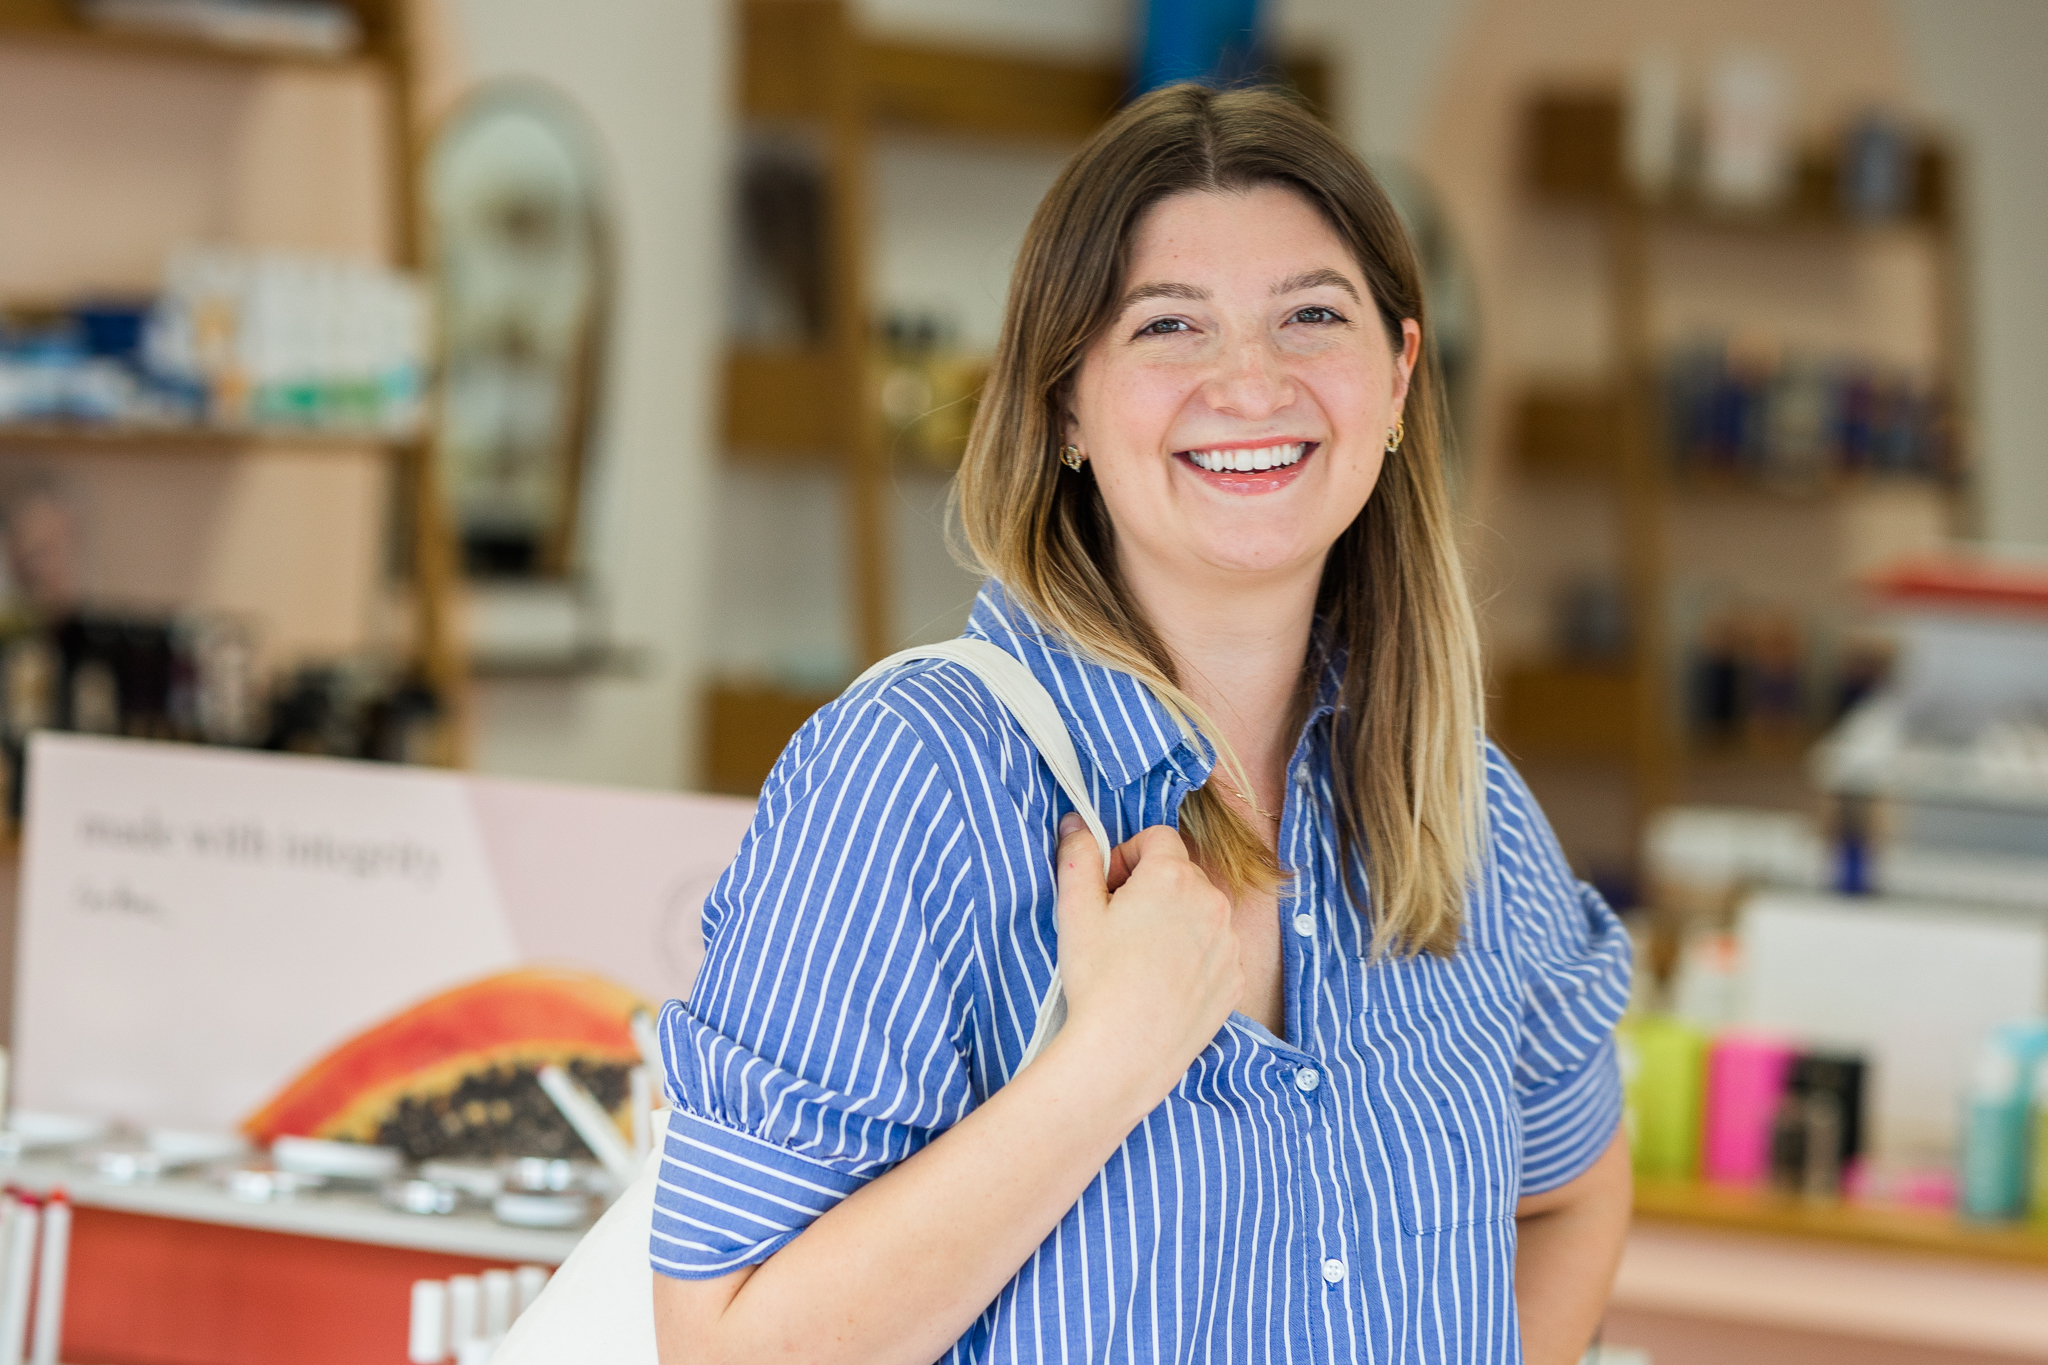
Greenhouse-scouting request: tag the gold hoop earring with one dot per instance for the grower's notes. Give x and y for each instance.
(1395, 433)
(1071, 457)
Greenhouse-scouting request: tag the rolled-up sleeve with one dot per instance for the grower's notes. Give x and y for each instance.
(824, 1040)
(1574, 962)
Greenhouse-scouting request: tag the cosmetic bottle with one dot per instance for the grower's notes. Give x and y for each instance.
(1666, 1070)
(1994, 1161)
(1746, 1075)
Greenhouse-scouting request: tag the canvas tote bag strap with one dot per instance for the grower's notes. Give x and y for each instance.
(597, 1309)
(1026, 699)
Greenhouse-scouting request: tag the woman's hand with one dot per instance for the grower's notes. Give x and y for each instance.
(1152, 968)
(896, 1272)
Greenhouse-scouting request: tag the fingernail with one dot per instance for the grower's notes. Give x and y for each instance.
(1071, 822)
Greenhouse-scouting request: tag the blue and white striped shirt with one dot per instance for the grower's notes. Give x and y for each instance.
(874, 959)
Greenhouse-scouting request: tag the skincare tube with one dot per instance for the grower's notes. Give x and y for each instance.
(527, 1282)
(10, 1214)
(21, 1269)
(640, 1099)
(1994, 1156)
(465, 1312)
(426, 1341)
(56, 1261)
(497, 1295)
(648, 1040)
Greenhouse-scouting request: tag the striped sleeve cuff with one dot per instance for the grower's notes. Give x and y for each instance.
(1567, 1124)
(727, 1199)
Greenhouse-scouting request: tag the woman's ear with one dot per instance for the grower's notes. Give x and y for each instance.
(1070, 425)
(1404, 362)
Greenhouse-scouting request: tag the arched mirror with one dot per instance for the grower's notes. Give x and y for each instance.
(519, 248)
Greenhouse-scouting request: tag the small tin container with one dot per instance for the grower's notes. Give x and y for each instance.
(262, 1183)
(541, 1210)
(425, 1197)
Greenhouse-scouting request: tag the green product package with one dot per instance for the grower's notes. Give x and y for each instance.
(1664, 1070)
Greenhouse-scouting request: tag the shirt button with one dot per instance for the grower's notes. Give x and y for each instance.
(1302, 777)
(1305, 925)
(1333, 1271)
(1307, 1079)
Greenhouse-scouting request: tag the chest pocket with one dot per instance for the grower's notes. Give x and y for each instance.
(1443, 1038)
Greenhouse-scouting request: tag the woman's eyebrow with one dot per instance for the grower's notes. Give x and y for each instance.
(1162, 289)
(1316, 279)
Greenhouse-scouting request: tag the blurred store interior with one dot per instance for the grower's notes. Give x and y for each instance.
(571, 392)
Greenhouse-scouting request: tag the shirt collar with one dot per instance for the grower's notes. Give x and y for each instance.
(1114, 718)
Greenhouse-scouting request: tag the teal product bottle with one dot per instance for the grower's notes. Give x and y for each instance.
(1994, 1171)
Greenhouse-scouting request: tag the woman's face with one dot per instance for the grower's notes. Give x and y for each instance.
(1235, 411)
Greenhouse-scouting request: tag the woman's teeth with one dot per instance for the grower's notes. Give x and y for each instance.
(1245, 461)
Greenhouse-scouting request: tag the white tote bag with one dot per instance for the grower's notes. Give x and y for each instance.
(599, 1307)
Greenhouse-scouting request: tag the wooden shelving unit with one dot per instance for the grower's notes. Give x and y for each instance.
(1897, 1229)
(1605, 434)
(89, 437)
(384, 55)
(806, 66)
(57, 23)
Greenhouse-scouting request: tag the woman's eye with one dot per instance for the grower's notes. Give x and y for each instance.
(1159, 327)
(1316, 312)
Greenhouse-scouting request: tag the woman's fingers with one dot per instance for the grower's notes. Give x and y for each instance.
(1078, 870)
(1121, 864)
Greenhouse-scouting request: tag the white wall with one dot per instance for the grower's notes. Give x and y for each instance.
(654, 77)
(1983, 69)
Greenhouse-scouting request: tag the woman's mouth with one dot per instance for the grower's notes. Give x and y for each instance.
(1249, 469)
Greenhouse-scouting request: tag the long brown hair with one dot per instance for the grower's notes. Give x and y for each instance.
(1409, 795)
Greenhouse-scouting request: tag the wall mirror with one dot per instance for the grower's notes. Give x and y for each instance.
(518, 244)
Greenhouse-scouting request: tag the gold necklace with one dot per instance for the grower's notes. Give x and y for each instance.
(1251, 801)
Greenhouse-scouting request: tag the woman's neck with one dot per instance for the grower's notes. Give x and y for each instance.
(1238, 648)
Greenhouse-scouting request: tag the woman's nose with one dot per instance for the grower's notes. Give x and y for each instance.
(1250, 381)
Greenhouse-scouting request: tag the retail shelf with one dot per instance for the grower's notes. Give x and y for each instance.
(785, 407)
(963, 92)
(1576, 710)
(1831, 1220)
(352, 1217)
(592, 661)
(1574, 432)
(747, 725)
(57, 23)
(1574, 157)
(1570, 432)
(89, 437)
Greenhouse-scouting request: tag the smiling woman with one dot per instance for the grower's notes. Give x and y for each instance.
(1336, 1079)
(1221, 274)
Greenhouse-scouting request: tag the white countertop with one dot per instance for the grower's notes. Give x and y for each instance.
(349, 1217)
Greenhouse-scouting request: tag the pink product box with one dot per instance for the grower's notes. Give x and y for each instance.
(1745, 1081)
